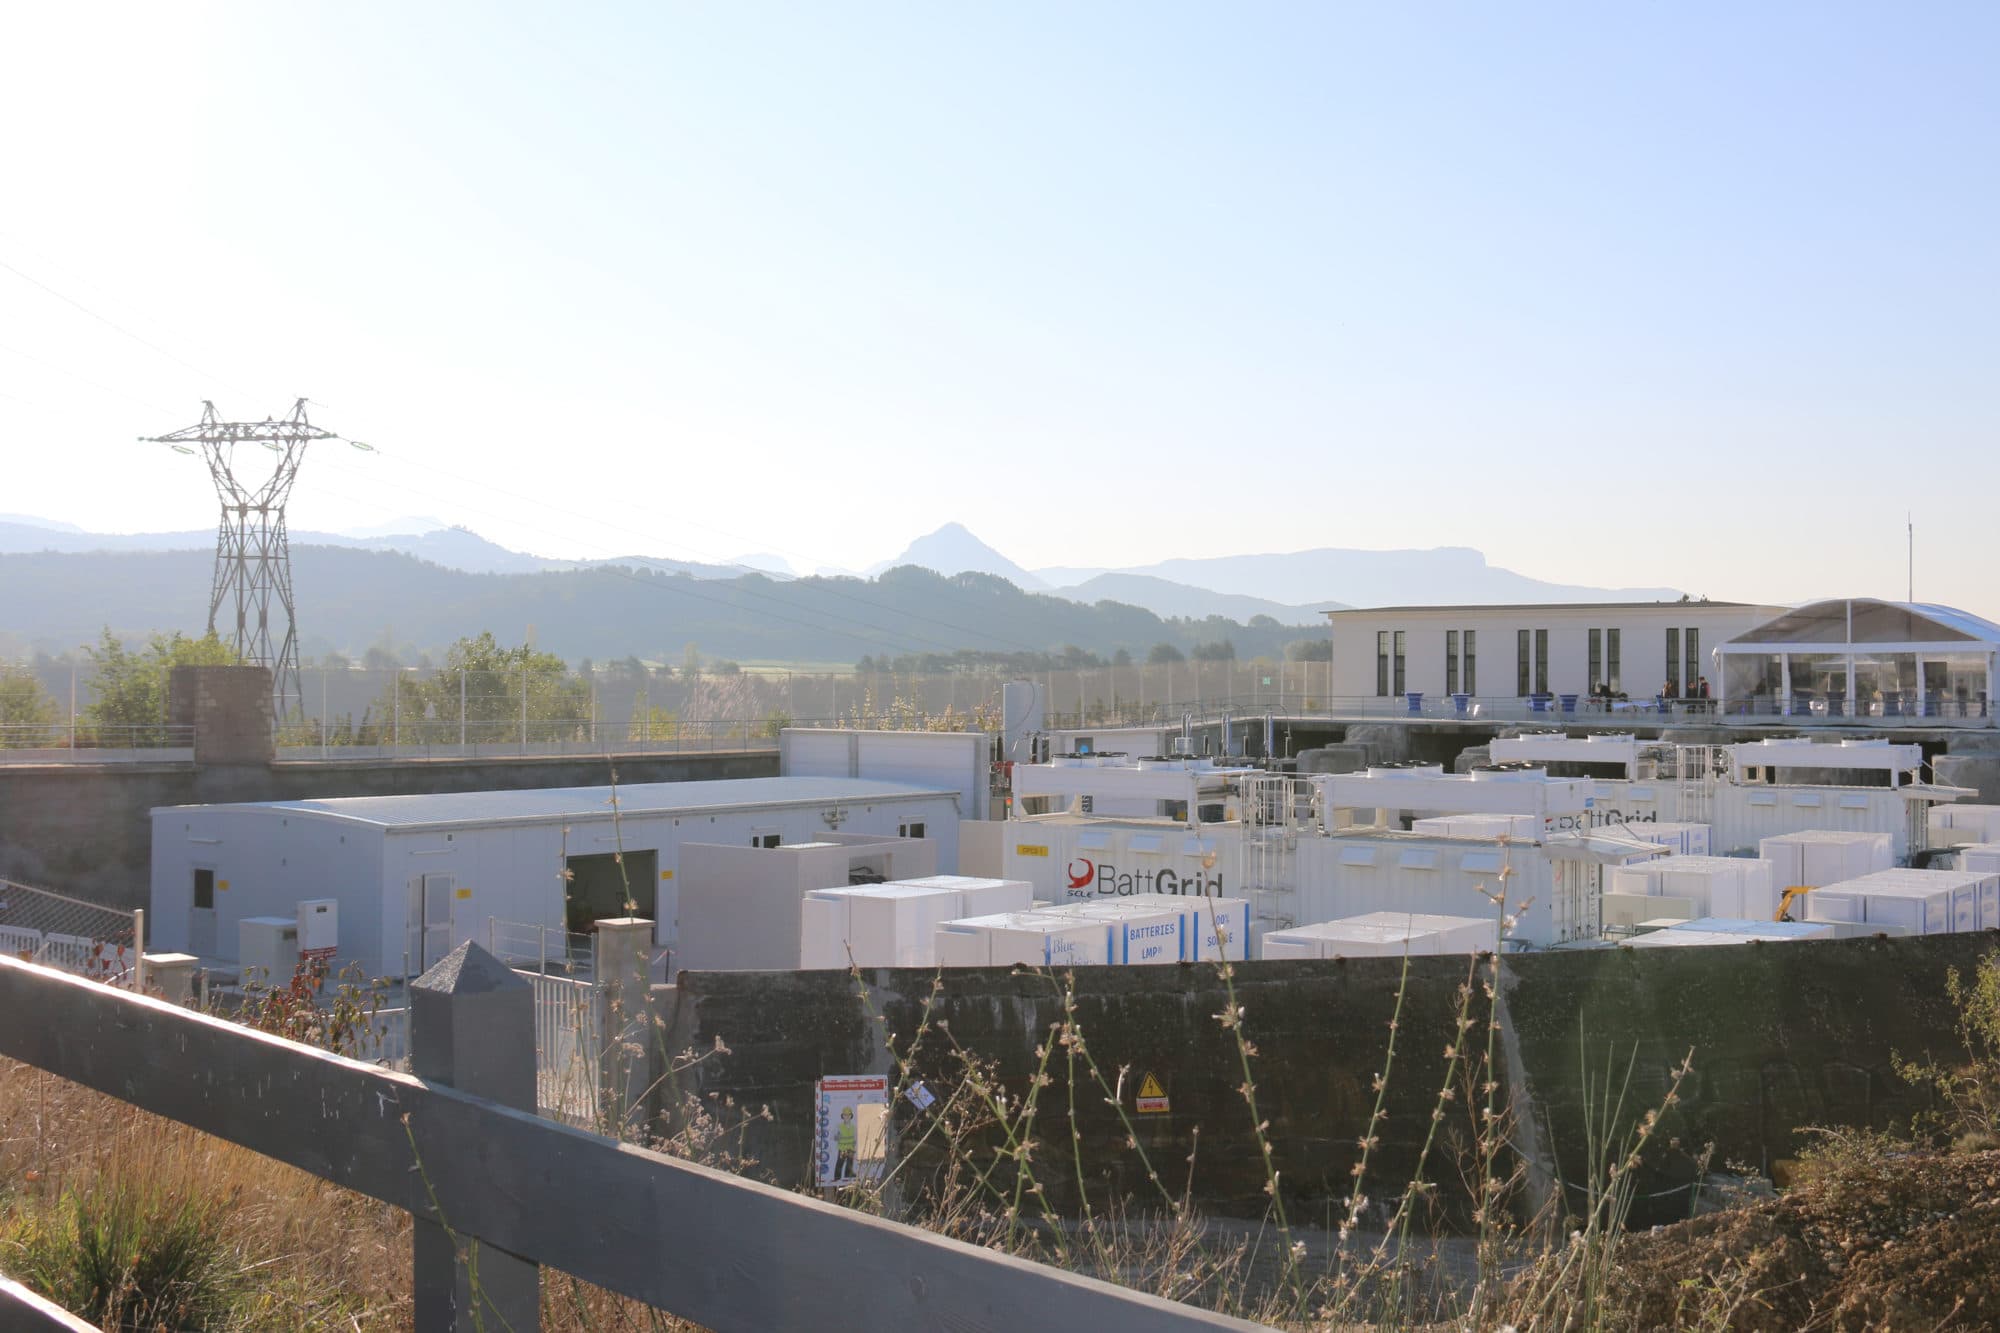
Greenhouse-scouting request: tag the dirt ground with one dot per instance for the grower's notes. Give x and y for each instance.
(1873, 1236)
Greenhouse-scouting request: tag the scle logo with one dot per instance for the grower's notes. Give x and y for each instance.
(1080, 879)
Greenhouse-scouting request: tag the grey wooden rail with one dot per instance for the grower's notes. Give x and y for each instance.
(725, 1252)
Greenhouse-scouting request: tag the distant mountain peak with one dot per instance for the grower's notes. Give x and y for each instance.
(953, 549)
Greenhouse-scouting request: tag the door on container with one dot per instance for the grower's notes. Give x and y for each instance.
(201, 917)
(438, 897)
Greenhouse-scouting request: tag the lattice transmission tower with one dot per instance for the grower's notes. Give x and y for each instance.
(253, 555)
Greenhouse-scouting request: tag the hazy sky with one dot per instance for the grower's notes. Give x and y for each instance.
(1704, 295)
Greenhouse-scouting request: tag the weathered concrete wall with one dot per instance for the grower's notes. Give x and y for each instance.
(1784, 1036)
(86, 829)
(229, 708)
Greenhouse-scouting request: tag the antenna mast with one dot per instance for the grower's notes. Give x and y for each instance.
(1910, 523)
(253, 555)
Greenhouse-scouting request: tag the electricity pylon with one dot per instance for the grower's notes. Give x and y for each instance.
(253, 555)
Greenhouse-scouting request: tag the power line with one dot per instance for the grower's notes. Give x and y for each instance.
(114, 325)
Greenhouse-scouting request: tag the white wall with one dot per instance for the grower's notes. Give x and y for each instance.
(937, 760)
(265, 863)
(1642, 644)
(512, 871)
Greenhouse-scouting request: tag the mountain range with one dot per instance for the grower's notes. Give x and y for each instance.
(431, 583)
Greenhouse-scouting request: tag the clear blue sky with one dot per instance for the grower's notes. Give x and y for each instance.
(1698, 294)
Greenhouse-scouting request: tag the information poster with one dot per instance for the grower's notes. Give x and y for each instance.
(851, 1111)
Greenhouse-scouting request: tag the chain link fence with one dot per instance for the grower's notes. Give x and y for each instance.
(56, 930)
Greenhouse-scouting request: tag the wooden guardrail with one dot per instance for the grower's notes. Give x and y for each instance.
(716, 1249)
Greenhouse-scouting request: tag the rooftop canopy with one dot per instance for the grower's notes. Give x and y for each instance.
(1863, 658)
(1863, 620)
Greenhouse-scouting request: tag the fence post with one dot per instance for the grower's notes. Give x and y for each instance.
(472, 1027)
(623, 969)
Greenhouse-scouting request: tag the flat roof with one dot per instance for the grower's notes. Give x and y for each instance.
(1553, 606)
(546, 804)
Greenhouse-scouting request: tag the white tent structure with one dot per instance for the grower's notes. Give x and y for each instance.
(1862, 658)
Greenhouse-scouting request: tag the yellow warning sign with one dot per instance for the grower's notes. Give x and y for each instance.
(1152, 1097)
(1029, 849)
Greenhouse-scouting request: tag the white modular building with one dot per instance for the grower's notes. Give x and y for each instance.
(1638, 649)
(417, 875)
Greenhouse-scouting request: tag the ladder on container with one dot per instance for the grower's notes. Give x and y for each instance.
(1697, 766)
(1270, 820)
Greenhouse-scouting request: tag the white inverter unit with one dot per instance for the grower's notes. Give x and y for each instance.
(268, 949)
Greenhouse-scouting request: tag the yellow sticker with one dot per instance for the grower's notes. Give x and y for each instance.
(1029, 849)
(465, 893)
(222, 884)
(1152, 1097)
(666, 874)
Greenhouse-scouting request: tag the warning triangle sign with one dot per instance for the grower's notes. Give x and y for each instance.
(1151, 1088)
(1152, 1097)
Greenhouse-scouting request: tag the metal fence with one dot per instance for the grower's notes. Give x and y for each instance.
(78, 740)
(569, 1047)
(528, 947)
(56, 930)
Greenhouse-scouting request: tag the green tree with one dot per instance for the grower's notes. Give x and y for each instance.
(1164, 654)
(28, 716)
(129, 689)
(492, 682)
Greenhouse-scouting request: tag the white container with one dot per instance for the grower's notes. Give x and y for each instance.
(1381, 934)
(1218, 929)
(1629, 911)
(1141, 933)
(1980, 857)
(979, 896)
(1815, 857)
(1952, 825)
(1684, 839)
(1038, 939)
(1891, 898)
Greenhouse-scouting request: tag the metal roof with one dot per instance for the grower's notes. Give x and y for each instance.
(1872, 621)
(544, 804)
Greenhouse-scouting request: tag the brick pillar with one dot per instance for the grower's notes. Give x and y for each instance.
(229, 708)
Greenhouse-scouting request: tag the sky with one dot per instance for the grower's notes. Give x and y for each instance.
(1698, 295)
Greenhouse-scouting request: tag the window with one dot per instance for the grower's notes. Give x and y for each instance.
(913, 829)
(204, 889)
(765, 839)
(1613, 674)
(1451, 661)
(1596, 677)
(1471, 663)
(1673, 662)
(1542, 661)
(1693, 659)
(1400, 679)
(1522, 664)
(1381, 661)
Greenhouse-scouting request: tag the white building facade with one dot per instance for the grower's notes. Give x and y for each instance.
(1636, 649)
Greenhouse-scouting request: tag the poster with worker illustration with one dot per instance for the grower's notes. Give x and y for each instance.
(850, 1112)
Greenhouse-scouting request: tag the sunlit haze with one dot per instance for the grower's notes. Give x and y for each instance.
(1691, 295)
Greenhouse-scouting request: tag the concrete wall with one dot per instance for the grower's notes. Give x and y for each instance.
(86, 830)
(1783, 1036)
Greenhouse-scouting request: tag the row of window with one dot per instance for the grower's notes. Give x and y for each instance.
(1461, 669)
(1531, 661)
